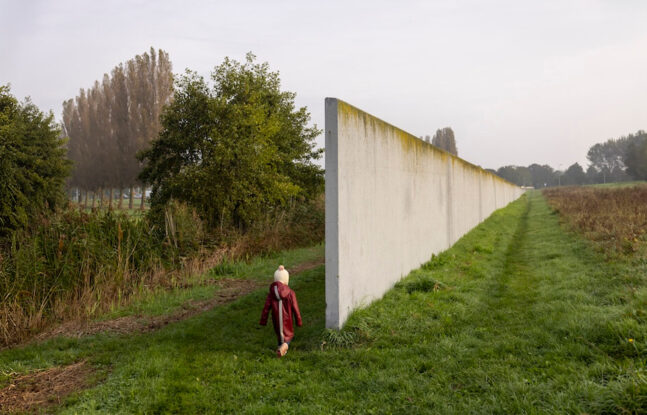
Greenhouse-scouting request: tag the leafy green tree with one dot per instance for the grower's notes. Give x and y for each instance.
(33, 166)
(234, 148)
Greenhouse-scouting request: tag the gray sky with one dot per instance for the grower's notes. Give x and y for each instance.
(518, 81)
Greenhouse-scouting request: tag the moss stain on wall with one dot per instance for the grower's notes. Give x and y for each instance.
(409, 142)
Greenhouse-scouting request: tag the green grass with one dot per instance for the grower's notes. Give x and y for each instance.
(260, 268)
(518, 317)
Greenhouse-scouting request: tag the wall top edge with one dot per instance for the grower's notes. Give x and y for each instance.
(340, 108)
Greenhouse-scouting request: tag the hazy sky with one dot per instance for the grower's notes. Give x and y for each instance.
(518, 81)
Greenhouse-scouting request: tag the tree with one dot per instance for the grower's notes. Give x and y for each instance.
(542, 175)
(592, 175)
(110, 122)
(574, 175)
(636, 156)
(518, 175)
(233, 149)
(33, 166)
(609, 158)
(445, 139)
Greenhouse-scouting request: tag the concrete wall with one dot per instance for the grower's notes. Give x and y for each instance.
(392, 200)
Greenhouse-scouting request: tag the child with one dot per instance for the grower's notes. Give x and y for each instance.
(283, 302)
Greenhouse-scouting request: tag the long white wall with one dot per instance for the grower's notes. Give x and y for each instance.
(392, 200)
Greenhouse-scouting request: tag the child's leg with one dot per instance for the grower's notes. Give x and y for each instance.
(282, 350)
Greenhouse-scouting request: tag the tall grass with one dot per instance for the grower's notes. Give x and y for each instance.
(77, 265)
(613, 217)
(74, 264)
(300, 224)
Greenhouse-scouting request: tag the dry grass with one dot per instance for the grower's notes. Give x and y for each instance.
(614, 218)
(19, 321)
(230, 290)
(82, 279)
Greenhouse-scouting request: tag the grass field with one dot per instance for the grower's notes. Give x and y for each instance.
(520, 316)
(614, 217)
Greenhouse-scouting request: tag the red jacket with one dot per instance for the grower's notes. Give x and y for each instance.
(288, 305)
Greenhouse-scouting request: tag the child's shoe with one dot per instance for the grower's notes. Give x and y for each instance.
(282, 350)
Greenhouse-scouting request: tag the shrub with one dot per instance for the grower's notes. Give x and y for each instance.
(33, 166)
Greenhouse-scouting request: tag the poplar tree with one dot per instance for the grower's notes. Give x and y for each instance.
(110, 122)
(445, 139)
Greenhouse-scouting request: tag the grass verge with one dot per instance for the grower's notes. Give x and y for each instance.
(518, 317)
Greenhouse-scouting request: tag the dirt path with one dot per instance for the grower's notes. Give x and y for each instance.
(231, 290)
(44, 388)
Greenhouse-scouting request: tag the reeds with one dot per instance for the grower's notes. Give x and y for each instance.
(76, 265)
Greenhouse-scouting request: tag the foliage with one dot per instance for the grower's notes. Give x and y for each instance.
(110, 122)
(520, 176)
(636, 156)
(72, 261)
(444, 139)
(541, 175)
(609, 158)
(574, 175)
(234, 149)
(33, 166)
(297, 224)
(535, 322)
(79, 265)
(616, 218)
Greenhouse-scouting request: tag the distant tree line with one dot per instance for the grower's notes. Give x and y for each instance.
(110, 122)
(615, 160)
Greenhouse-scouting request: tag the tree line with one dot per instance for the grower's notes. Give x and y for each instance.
(110, 122)
(235, 148)
(615, 160)
(229, 159)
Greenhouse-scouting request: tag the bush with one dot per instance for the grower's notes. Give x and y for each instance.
(33, 166)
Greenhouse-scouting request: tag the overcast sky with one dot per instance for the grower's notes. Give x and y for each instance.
(518, 81)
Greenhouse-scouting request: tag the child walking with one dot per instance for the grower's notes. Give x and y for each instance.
(283, 302)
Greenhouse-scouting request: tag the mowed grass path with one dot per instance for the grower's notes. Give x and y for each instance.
(518, 317)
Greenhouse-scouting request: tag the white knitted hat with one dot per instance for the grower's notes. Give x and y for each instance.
(282, 275)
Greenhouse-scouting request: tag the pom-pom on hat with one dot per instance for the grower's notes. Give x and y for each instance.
(282, 275)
